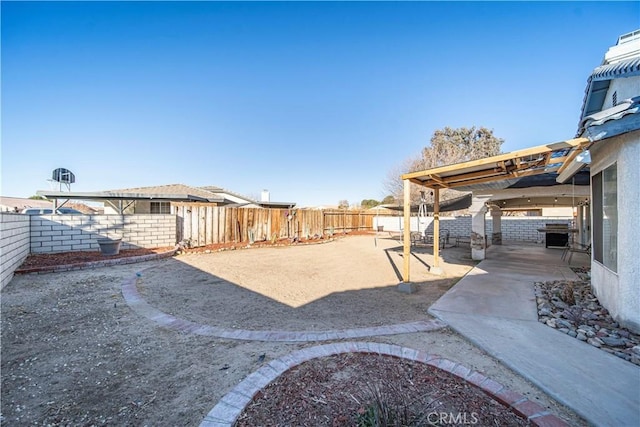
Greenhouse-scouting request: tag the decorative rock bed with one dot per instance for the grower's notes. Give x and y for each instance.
(571, 308)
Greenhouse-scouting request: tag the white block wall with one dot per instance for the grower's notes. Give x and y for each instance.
(457, 226)
(14, 244)
(63, 233)
(523, 229)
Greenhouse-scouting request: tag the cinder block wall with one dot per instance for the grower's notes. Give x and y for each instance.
(14, 244)
(63, 233)
(457, 226)
(515, 228)
(524, 229)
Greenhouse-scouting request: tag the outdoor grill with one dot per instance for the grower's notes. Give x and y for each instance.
(555, 235)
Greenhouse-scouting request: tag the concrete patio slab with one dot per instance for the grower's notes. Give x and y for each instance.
(494, 307)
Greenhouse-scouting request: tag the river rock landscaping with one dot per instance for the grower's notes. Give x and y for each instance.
(571, 308)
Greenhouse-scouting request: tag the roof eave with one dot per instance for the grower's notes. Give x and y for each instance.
(106, 195)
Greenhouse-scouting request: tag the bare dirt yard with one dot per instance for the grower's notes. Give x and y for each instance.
(74, 353)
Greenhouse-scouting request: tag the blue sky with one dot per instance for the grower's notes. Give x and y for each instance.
(314, 101)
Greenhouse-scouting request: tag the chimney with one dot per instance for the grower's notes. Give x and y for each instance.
(265, 196)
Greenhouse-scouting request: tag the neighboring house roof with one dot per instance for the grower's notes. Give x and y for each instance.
(247, 200)
(277, 205)
(11, 203)
(170, 189)
(170, 192)
(229, 196)
(112, 195)
(219, 190)
(85, 209)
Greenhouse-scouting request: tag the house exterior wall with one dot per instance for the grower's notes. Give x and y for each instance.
(14, 244)
(142, 207)
(63, 233)
(624, 88)
(139, 207)
(620, 292)
(110, 210)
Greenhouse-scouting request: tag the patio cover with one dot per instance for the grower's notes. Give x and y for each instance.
(509, 167)
(451, 205)
(501, 171)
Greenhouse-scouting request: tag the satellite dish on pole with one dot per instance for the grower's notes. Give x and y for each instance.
(63, 176)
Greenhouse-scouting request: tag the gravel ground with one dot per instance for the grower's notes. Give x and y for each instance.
(73, 353)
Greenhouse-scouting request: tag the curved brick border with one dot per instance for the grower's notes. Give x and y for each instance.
(96, 264)
(162, 319)
(233, 403)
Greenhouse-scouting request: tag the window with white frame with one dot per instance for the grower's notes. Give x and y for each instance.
(160, 208)
(605, 217)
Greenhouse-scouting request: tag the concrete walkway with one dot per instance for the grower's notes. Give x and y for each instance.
(494, 306)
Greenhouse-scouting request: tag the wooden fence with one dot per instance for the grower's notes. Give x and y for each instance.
(201, 224)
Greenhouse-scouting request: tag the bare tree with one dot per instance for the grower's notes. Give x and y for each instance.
(393, 184)
(448, 146)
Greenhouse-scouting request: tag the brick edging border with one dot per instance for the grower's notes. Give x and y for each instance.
(96, 264)
(138, 304)
(227, 410)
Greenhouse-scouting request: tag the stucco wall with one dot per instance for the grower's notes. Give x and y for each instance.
(625, 88)
(619, 291)
(110, 210)
(14, 244)
(142, 207)
(62, 233)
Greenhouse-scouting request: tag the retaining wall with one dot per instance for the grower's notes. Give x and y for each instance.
(63, 233)
(14, 244)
